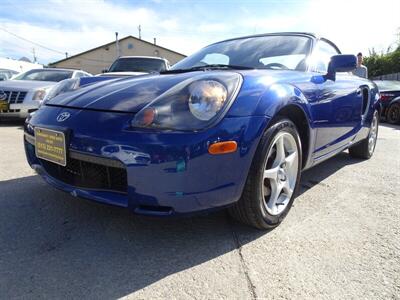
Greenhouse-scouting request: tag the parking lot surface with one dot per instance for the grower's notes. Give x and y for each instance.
(340, 240)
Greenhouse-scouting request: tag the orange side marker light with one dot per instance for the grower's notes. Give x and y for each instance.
(222, 147)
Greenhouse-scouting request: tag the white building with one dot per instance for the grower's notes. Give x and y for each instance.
(18, 65)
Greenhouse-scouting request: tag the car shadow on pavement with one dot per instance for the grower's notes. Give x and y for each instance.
(53, 245)
(12, 123)
(315, 175)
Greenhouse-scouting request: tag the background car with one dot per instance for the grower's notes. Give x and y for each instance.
(6, 74)
(136, 65)
(232, 125)
(25, 92)
(390, 100)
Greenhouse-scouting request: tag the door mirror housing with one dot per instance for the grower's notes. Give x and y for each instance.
(340, 63)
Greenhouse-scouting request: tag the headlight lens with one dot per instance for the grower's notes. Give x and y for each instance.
(193, 104)
(206, 98)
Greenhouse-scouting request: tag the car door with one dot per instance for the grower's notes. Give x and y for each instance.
(337, 107)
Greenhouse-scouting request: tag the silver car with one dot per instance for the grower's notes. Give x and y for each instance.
(25, 92)
(6, 74)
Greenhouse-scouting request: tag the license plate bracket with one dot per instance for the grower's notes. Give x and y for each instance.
(50, 145)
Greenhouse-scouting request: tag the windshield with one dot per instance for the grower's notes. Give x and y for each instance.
(388, 85)
(263, 52)
(45, 75)
(131, 64)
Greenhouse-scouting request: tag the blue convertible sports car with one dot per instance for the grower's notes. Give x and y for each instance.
(232, 125)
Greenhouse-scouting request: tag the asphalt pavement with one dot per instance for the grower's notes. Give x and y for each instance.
(341, 239)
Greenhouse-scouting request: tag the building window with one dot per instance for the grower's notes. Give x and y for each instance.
(130, 46)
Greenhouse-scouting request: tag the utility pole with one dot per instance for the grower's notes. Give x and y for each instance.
(140, 32)
(34, 55)
(117, 44)
(66, 54)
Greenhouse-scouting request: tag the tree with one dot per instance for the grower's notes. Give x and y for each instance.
(384, 63)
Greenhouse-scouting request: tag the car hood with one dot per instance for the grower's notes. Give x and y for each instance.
(131, 94)
(125, 94)
(25, 84)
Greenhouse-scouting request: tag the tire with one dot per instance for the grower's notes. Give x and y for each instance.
(365, 149)
(393, 114)
(255, 207)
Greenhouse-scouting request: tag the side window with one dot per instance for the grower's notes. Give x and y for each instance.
(322, 55)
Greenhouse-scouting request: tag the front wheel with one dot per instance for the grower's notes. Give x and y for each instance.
(366, 148)
(273, 178)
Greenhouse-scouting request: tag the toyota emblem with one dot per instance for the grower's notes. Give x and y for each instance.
(63, 116)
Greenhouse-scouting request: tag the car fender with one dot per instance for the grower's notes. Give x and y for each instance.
(280, 95)
(395, 100)
(283, 95)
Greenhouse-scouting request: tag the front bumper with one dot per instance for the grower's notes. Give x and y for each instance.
(167, 173)
(20, 110)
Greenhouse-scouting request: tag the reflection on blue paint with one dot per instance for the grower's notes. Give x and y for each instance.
(180, 165)
(318, 79)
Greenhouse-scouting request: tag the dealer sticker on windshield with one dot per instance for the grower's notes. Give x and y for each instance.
(50, 146)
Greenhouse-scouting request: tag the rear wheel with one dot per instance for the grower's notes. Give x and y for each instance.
(393, 114)
(273, 178)
(366, 148)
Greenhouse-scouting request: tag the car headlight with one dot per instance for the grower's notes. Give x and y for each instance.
(63, 86)
(41, 93)
(206, 98)
(193, 104)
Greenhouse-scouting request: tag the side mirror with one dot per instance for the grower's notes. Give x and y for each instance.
(340, 63)
(104, 71)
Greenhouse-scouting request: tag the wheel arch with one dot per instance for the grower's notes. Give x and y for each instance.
(286, 100)
(394, 101)
(297, 115)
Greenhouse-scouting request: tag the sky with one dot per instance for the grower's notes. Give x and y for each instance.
(54, 27)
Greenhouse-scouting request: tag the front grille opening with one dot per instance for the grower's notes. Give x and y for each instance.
(156, 210)
(15, 96)
(88, 175)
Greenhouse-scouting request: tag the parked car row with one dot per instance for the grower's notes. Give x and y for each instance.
(26, 92)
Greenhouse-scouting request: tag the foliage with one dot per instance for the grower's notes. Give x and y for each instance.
(383, 63)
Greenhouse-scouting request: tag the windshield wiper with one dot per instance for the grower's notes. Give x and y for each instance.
(207, 67)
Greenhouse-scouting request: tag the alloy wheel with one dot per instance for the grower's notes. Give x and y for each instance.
(280, 173)
(373, 133)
